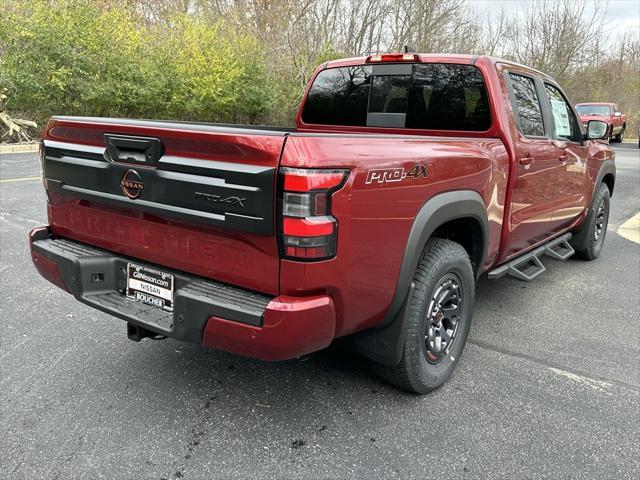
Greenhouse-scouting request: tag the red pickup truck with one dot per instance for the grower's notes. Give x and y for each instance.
(408, 176)
(605, 112)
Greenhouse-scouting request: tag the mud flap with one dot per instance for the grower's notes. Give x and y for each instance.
(385, 345)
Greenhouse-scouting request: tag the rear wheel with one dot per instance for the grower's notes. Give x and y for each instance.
(438, 319)
(591, 240)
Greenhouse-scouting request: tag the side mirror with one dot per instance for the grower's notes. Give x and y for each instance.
(596, 130)
(617, 114)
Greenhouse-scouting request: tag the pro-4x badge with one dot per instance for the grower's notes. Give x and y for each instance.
(210, 197)
(387, 175)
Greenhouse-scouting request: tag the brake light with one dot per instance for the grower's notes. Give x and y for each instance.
(393, 57)
(309, 232)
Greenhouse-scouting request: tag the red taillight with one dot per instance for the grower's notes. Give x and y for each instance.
(308, 229)
(295, 181)
(393, 57)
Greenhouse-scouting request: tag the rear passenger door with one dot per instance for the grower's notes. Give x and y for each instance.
(536, 166)
(571, 185)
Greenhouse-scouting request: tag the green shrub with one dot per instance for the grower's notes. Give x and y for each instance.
(72, 57)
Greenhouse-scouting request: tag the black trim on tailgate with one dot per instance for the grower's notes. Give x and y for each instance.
(222, 194)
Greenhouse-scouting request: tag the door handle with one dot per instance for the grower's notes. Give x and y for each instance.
(526, 161)
(563, 158)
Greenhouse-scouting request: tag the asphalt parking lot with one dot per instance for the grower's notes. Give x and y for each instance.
(549, 385)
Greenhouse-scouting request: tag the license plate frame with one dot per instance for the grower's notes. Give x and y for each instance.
(150, 286)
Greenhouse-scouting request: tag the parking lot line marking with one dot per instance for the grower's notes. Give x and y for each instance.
(547, 363)
(24, 179)
(631, 229)
(580, 380)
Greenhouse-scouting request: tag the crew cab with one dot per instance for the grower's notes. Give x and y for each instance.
(605, 112)
(407, 177)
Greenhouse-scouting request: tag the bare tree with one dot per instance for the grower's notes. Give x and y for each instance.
(558, 36)
(428, 25)
(489, 34)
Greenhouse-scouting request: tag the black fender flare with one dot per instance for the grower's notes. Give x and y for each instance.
(384, 342)
(579, 235)
(607, 166)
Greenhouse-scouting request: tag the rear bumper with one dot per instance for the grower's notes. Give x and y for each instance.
(206, 312)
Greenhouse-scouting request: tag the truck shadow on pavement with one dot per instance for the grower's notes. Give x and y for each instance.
(337, 376)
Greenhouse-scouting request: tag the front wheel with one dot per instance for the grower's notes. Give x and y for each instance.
(438, 320)
(589, 241)
(619, 137)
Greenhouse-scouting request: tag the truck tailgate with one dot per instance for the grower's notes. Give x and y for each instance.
(194, 197)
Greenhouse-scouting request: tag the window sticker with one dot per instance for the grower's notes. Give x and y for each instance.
(560, 117)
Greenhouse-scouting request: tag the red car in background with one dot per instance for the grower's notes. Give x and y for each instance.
(605, 112)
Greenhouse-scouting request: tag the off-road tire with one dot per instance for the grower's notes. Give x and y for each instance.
(440, 259)
(586, 243)
(619, 137)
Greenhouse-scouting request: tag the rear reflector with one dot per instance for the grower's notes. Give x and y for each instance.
(309, 247)
(308, 229)
(313, 253)
(48, 269)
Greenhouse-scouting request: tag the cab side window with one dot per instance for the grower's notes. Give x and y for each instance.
(527, 106)
(565, 123)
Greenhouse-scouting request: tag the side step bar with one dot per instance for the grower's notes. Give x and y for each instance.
(527, 267)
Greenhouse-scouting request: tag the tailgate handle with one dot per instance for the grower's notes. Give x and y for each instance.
(136, 150)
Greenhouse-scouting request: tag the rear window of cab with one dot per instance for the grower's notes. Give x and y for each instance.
(418, 96)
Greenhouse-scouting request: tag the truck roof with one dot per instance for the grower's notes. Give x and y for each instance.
(435, 58)
(424, 57)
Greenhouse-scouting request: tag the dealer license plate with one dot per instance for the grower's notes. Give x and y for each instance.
(150, 286)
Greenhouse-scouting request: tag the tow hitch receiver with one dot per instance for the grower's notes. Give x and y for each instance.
(138, 333)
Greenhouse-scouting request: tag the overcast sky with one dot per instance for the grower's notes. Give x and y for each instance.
(623, 14)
